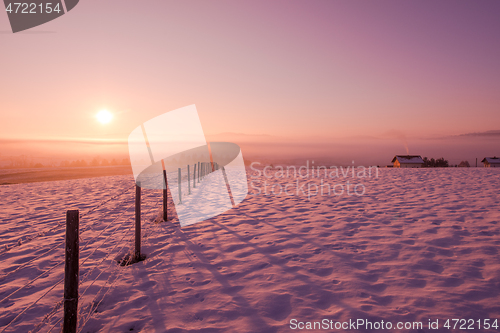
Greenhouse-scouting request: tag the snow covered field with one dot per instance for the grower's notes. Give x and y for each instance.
(419, 244)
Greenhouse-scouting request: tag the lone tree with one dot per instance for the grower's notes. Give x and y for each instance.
(464, 164)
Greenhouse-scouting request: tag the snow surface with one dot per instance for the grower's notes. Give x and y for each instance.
(420, 244)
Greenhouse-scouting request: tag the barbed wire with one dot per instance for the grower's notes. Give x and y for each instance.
(44, 273)
(112, 228)
(32, 260)
(106, 201)
(126, 263)
(47, 317)
(31, 281)
(7, 248)
(84, 279)
(87, 274)
(102, 231)
(29, 306)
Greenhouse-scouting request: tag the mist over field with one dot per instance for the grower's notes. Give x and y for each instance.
(280, 150)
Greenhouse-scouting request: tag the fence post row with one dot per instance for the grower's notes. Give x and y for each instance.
(138, 221)
(71, 268)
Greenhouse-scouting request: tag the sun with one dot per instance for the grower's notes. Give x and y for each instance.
(104, 116)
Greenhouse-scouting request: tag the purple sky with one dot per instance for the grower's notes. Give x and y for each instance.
(301, 69)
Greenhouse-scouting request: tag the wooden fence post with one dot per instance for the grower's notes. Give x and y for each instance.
(194, 176)
(165, 197)
(198, 172)
(71, 271)
(189, 181)
(180, 190)
(138, 221)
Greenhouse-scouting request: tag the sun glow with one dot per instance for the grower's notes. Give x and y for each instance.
(104, 116)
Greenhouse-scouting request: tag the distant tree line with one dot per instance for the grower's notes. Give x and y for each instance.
(432, 163)
(96, 161)
(23, 161)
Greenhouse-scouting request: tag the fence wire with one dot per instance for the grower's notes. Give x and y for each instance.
(179, 181)
(87, 267)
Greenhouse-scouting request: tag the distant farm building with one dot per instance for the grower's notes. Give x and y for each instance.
(407, 161)
(491, 162)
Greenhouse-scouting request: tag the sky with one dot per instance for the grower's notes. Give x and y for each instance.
(316, 72)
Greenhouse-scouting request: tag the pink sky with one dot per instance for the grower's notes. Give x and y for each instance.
(316, 69)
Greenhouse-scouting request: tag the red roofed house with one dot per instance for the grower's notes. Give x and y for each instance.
(408, 161)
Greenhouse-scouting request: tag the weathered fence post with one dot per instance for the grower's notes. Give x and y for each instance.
(194, 176)
(189, 181)
(71, 272)
(198, 172)
(138, 221)
(165, 197)
(179, 181)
